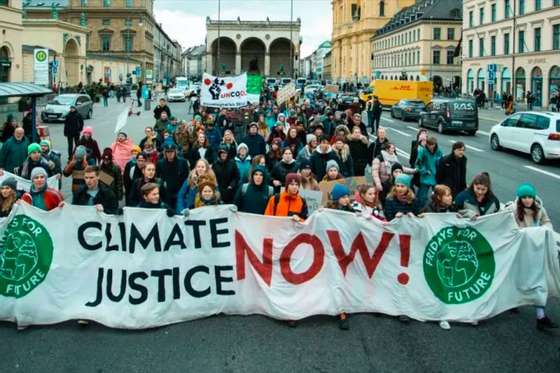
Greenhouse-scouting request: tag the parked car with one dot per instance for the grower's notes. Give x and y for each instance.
(176, 94)
(59, 107)
(408, 109)
(450, 114)
(312, 88)
(534, 133)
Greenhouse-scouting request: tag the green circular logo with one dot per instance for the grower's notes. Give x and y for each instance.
(26, 251)
(459, 265)
(41, 56)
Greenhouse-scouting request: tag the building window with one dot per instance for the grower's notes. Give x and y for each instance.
(436, 57)
(127, 42)
(538, 5)
(537, 39)
(450, 56)
(356, 12)
(481, 47)
(493, 13)
(106, 21)
(521, 42)
(506, 44)
(556, 36)
(106, 3)
(470, 48)
(437, 33)
(105, 43)
(481, 16)
(128, 22)
(556, 3)
(471, 19)
(521, 9)
(129, 3)
(507, 9)
(493, 45)
(450, 34)
(382, 9)
(84, 3)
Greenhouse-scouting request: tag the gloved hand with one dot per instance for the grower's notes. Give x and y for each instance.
(170, 212)
(233, 208)
(51, 165)
(186, 213)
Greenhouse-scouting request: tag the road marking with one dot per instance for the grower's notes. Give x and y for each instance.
(489, 119)
(401, 152)
(412, 128)
(388, 120)
(536, 169)
(484, 132)
(469, 147)
(401, 132)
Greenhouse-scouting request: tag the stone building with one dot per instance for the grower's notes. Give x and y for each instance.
(421, 42)
(354, 23)
(501, 37)
(11, 41)
(167, 56)
(232, 45)
(194, 62)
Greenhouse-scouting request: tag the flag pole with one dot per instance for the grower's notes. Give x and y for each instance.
(219, 37)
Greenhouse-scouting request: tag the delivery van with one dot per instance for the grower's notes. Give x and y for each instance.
(391, 92)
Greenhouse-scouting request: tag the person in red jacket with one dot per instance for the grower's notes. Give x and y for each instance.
(40, 195)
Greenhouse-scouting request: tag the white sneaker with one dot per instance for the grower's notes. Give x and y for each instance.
(444, 325)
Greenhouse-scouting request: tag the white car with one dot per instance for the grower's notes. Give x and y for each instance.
(534, 133)
(176, 94)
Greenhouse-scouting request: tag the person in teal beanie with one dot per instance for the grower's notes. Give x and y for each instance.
(401, 199)
(529, 212)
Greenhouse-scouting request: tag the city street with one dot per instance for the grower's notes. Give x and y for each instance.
(507, 343)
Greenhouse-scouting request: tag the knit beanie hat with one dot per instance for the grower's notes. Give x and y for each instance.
(261, 169)
(305, 163)
(10, 182)
(34, 147)
(339, 191)
(332, 164)
(396, 166)
(87, 130)
(526, 190)
(291, 177)
(404, 179)
(310, 137)
(108, 153)
(47, 143)
(38, 171)
(80, 153)
(242, 145)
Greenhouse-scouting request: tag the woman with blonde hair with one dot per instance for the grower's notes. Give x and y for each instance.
(8, 196)
(187, 193)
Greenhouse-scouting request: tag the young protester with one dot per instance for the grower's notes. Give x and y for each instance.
(173, 171)
(148, 176)
(208, 194)
(342, 150)
(452, 169)
(286, 166)
(93, 193)
(110, 175)
(122, 150)
(478, 199)
(333, 171)
(367, 203)
(8, 196)
(308, 181)
(52, 157)
(321, 156)
(201, 150)
(243, 162)
(228, 143)
(293, 141)
(254, 142)
(289, 202)
(441, 201)
(380, 143)
(401, 200)
(358, 146)
(307, 150)
(421, 138)
(132, 171)
(151, 199)
(227, 175)
(187, 193)
(253, 196)
(76, 167)
(150, 136)
(530, 212)
(92, 148)
(274, 154)
(426, 165)
(40, 195)
(34, 159)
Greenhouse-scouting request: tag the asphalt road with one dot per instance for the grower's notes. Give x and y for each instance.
(507, 343)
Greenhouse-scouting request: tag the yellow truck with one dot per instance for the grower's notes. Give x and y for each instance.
(390, 92)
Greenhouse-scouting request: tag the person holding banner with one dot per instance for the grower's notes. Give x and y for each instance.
(8, 196)
(530, 212)
(253, 196)
(401, 200)
(187, 193)
(288, 203)
(40, 195)
(148, 176)
(366, 202)
(478, 199)
(208, 194)
(95, 194)
(151, 199)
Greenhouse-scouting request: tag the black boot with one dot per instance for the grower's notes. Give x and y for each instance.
(546, 323)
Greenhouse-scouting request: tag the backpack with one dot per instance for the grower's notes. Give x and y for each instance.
(245, 186)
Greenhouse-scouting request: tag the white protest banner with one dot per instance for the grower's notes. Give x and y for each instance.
(25, 185)
(144, 269)
(285, 93)
(224, 92)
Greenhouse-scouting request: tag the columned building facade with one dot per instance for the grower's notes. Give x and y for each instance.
(232, 45)
(421, 43)
(354, 23)
(11, 40)
(512, 46)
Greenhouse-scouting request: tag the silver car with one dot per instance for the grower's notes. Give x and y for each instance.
(59, 107)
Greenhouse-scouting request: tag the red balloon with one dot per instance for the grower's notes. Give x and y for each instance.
(229, 85)
(207, 81)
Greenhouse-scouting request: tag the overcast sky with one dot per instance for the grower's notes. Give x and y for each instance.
(185, 20)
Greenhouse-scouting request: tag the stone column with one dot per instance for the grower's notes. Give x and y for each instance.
(267, 64)
(237, 63)
(209, 63)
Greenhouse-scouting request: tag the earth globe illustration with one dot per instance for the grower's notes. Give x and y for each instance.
(456, 263)
(18, 256)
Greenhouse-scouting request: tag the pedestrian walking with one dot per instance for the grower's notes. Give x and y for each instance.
(73, 126)
(426, 165)
(452, 169)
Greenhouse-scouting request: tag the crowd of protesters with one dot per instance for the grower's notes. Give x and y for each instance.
(259, 164)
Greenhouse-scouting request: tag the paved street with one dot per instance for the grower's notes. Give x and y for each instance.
(507, 343)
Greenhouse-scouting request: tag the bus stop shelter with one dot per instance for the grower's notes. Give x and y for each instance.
(25, 90)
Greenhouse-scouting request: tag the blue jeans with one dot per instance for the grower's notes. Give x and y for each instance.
(423, 193)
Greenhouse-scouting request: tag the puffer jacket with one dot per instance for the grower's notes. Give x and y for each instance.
(426, 164)
(468, 206)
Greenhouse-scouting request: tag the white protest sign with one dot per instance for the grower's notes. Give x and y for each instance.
(224, 92)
